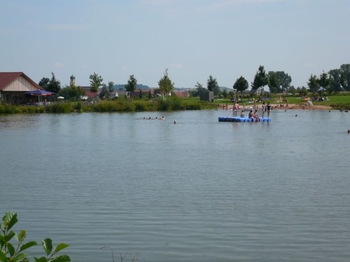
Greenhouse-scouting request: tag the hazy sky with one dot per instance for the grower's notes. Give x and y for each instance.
(192, 38)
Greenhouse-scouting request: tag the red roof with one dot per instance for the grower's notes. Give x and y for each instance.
(181, 94)
(7, 78)
(91, 95)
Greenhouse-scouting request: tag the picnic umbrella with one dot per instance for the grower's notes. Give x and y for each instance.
(60, 97)
(39, 93)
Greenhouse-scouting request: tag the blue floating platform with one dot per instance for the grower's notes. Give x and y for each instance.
(242, 119)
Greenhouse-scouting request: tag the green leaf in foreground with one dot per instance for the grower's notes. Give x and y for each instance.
(47, 245)
(2, 256)
(63, 258)
(11, 249)
(27, 245)
(42, 259)
(60, 246)
(9, 220)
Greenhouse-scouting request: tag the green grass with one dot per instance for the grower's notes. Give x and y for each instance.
(339, 101)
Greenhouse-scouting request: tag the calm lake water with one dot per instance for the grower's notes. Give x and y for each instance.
(198, 190)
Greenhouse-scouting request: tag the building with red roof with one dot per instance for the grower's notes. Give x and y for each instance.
(13, 85)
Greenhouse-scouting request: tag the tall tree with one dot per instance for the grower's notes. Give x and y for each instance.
(323, 81)
(241, 84)
(197, 90)
(313, 84)
(284, 81)
(165, 84)
(260, 79)
(345, 76)
(111, 86)
(199, 86)
(54, 85)
(212, 85)
(273, 82)
(132, 84)
(44, 82)
(335, 80)
(95, 82)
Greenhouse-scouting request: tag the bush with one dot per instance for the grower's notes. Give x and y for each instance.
(59, 108)
(9, 109)
(113, 106)
(8, 252)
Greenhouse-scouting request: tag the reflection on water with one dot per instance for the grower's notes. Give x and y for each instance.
(199, 190)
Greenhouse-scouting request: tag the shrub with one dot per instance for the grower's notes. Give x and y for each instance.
(59, 108)
(8, 252)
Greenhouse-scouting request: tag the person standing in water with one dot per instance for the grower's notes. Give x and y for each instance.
(263, 108)
(268, 108)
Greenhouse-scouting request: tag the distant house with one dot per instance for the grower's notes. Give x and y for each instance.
(13, 85)
(88, 94)
(182, 94)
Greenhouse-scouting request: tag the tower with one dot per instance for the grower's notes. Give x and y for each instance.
(72, 80)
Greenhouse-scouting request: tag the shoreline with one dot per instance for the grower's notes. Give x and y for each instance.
(302, 107)
(281, 107)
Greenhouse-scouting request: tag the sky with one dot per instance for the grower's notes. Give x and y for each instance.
(192, 39)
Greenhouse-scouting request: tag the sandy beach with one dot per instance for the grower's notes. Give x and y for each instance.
(282, 107)
(298, 106)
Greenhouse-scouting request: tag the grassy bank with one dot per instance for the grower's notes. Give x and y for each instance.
(170, 104)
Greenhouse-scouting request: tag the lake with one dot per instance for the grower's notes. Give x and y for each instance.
(197, 190)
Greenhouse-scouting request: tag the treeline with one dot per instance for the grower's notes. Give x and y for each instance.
(336, 80)
(333, 81)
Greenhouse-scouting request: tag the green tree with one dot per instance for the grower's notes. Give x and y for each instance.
(44, 82)
(198, 90)
(345, 76)
(72, 92)
(323, 81)
(165, 84)
(212, 85)
(95, 82)
(313, 84)
(141, 94)
(241, 84)
(224, 93)
(292, 90)
(9, 252)
(273, 82)
(335, 80)
(231, 94)
(260, 79)
(104, 92)
(156, 92)
(131, 85)
(54, 85)
(302, 91)
(284, 81)
(110, 86)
